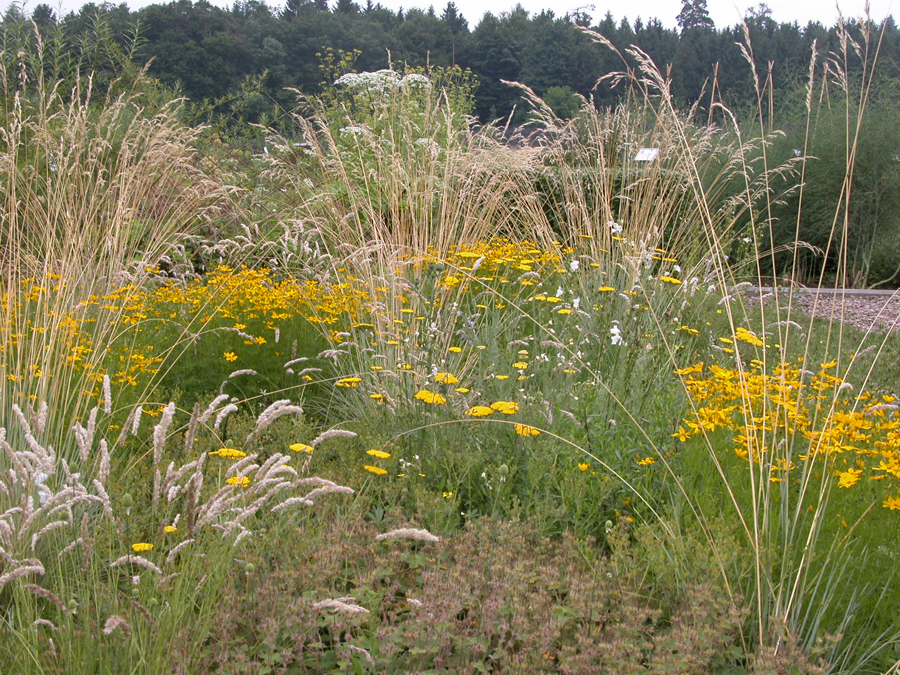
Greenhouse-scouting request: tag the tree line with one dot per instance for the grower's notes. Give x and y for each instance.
(207, 52)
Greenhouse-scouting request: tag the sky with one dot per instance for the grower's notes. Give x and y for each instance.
(723, 12)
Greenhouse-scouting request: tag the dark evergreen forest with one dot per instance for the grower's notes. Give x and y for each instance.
(208, 53)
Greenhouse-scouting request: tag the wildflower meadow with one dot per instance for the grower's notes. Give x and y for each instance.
(377, 390)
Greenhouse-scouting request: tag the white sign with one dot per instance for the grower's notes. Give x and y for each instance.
(646, 155)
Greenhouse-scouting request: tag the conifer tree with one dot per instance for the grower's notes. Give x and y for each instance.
(694, 14)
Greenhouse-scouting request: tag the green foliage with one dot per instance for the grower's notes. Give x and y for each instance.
(866, 256)
(563, 101)
(401, 106)
(694, 14)
(40, 54)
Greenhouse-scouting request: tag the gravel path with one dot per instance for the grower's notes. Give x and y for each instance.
(876, 311)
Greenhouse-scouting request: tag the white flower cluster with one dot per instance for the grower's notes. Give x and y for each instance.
(615, 334)
(381, 81)
(414, 80)
(353, 131)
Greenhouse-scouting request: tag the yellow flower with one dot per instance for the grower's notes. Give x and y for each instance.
(584, 467)
(377, 470)
(230, 453)
(301, 447)
(377, 397)
(380, 454)
(681, 434)
(564, 310)
(520, 365)
(141, 547)
(606, 289)
(479, 411)
(447, 495)
(502, 377)
(446, 378)
(525, 430)
(348, 382)
(455, 350)
(463, 390)
(848, 478)
(506, 407)
(647, 461)
(430, 397)
(171, 528)
(230, 356)
(745, 335)
(670, 280)
(892, 503)
(240, 481)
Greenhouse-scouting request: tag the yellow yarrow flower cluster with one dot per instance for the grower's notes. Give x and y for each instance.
(479, 411)
(229, 453)
(744, 335)
(506, 407)
(430, 397)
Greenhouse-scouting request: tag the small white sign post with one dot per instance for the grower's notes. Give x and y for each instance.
(646, 155)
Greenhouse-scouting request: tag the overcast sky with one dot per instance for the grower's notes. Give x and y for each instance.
(723, 12)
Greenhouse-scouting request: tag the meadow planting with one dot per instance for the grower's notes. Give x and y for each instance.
(379, 391)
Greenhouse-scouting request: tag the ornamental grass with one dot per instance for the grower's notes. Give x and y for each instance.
(544, 375)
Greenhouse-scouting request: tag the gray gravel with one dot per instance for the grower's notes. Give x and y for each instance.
(876, 311)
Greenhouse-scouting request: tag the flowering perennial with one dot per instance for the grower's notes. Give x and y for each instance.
(808, 413)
